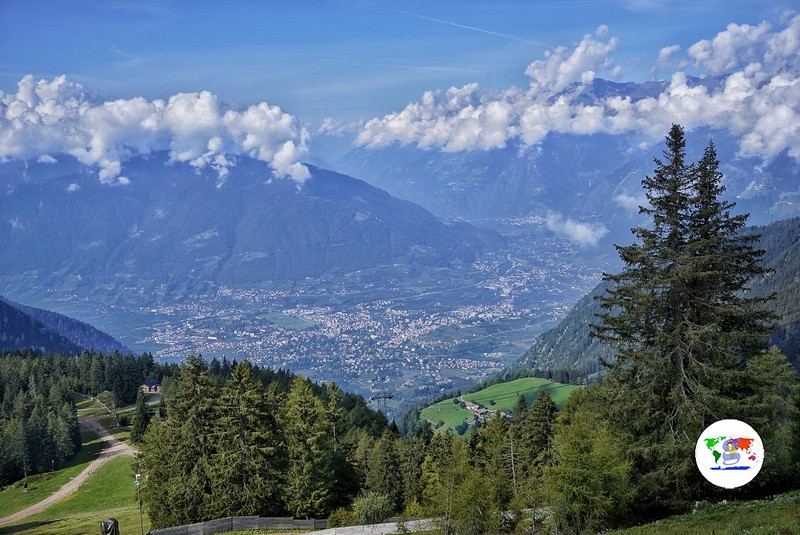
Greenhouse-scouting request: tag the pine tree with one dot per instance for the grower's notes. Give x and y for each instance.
(589, 486)
(345, 474)
(176, 457)
(141, 417)
(383, 473)
(681, 322)
(494, 461)
(309, 475)
(536, 447)
(412, 453)
(243, 469)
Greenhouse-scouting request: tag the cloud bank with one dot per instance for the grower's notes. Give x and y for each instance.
(57, 116)
(756, 97)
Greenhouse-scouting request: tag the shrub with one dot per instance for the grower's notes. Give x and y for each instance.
(372, 508)
(340, 517)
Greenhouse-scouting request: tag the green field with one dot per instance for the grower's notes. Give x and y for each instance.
(88, 406)
(108, 492)
(781, 515)
(40, 486)
(502, 397)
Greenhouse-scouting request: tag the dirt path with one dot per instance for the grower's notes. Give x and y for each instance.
(111, 448)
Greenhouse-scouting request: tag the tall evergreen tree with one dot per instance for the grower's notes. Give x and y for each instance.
(177, 455)
(494, 461)
(383, 472)
(244, 473)
(681, 322)
(309, 474)
(536, 434)
(141, 417)
(589, 486)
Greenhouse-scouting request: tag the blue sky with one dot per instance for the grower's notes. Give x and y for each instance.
(349, 60)
(104, 81)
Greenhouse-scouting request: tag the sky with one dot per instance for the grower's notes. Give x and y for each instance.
(264, 78)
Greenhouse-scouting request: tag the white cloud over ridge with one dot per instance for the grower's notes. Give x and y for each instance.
(584, 234)
(57, 116)
(757, 98)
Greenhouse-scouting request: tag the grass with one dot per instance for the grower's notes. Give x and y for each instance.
(87, 406)
(108, 492)
(109, 487)
(40, 486)
(128, 519)
(779, 516)
(502, 397)
(445, 411)
(120, 432)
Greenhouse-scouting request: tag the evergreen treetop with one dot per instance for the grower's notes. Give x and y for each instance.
(679, 315)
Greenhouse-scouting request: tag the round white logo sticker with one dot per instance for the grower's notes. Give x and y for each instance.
(729, 453)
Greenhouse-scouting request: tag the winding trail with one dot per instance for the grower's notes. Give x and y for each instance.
(111, 448)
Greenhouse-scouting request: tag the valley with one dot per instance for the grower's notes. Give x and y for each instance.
(407, 330)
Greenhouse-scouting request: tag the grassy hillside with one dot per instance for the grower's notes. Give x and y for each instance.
(40, 486)
(781, 515)
(109, 492)
(501, 397)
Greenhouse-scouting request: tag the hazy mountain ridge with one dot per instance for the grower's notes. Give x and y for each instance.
(19, 330)
(593, 178)
(48, 331)
(183, 228)
(569, 346)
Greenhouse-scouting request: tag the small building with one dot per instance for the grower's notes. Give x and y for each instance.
(151, 386)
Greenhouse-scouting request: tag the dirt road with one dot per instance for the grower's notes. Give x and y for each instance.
(111, 448)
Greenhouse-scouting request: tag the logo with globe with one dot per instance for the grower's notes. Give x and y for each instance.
(729, 453)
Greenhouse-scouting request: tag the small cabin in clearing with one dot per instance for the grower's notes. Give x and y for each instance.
(151, 386)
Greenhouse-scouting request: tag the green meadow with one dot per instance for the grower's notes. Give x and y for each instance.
(500, 397)
(108, 492)
(777, 516)
(40, 486)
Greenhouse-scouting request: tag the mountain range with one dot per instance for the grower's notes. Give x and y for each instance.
(177, 229)
(385, 282)
(592, 178)
(569, 346)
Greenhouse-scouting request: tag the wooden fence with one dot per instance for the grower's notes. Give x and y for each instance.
(242, 523)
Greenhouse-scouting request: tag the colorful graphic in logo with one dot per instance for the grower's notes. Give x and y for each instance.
(729, 453)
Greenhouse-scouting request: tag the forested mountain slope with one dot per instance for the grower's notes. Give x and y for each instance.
(175, 229)
(569, 346)
(19, 330)
(26, 327)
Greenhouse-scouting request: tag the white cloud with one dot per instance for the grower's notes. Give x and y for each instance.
(73, 187)
(757, 99)
(630, 202)
(57, 116)
(666, 53)
(333, 127)
(733, 48)
(46, 159)
(561, 67)
(584, 234)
